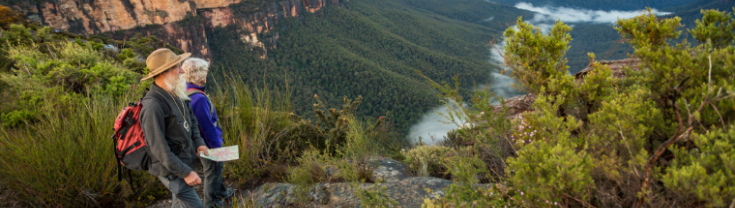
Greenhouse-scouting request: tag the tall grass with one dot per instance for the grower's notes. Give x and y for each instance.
(66, 158)
(257, 119)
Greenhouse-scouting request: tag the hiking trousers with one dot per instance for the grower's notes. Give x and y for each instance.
(214, 189)
(182, 195)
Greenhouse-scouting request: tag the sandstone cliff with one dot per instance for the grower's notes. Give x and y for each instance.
(180, 22)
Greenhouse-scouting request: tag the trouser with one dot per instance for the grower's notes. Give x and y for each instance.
(182, 195)
(214, 189)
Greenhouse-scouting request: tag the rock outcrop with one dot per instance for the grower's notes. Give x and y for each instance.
(617, 67)
(179, 22)
(524, 103)
(395, 181)
(394, 177)
(409, 192)
(517, 104)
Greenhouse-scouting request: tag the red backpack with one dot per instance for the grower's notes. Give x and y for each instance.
(130, 148)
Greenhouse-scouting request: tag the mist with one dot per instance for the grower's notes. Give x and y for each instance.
(569, 15)
(433, 125)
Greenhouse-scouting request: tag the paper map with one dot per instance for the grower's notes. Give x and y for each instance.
(222, 154)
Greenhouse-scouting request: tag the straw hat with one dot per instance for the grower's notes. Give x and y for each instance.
(161, 60)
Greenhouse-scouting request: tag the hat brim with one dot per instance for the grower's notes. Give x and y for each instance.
(159, 70)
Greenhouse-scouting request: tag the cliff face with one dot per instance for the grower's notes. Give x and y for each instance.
(181, 23)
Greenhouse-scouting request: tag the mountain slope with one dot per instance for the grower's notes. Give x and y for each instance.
(691, 12)
(369, 48)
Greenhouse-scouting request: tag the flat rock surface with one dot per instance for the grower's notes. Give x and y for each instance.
(409, 192)
(393, 180)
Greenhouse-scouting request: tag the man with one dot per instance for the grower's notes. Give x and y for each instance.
(167, 121)
(195, 73)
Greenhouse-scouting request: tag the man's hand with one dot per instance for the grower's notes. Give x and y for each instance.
(193, 179)
(202, 149)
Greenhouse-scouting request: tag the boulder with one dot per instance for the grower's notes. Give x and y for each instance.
(389, 170)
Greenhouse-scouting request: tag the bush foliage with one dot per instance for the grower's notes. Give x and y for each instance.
(659, 136)
(62, 93)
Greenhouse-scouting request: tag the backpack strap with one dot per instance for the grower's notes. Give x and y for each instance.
(192, 91)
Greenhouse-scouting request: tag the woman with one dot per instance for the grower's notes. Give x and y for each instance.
(195, 73)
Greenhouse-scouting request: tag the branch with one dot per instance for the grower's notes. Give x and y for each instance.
(580, 201)
(676, 137)
(718, 113)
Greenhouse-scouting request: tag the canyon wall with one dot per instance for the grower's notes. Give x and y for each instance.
(182, 23)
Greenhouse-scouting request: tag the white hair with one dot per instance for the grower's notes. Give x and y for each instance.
(195, 70)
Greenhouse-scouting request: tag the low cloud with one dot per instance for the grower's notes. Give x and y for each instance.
(570, 15)
(433, 125)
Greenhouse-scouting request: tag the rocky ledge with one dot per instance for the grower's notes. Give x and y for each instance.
(409, 192)
(394, 179)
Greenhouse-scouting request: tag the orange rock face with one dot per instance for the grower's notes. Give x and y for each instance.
(208, 4)
(313, 5)
(218, 17)
(100, 16)
(104, 16)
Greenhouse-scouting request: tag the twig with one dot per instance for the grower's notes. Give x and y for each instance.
(580, 201)
(709, 81)
(629, 151)
(718, 113)
(686, 103)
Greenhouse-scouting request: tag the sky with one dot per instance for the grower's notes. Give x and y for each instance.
(433, 125)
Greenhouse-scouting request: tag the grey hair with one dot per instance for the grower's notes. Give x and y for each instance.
(195, 70)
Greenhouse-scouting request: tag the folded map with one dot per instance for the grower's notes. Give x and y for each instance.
(222, 154)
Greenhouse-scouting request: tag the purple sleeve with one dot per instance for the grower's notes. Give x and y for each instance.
(200, 105)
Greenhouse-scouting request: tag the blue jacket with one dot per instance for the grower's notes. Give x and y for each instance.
(200, 104)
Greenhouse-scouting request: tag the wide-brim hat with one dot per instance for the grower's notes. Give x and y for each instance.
(161, 60)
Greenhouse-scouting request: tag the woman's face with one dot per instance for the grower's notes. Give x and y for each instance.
(204, 81)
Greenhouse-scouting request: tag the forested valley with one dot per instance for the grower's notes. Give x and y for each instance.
(373, 49)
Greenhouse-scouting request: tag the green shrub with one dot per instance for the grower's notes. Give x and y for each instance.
(660, 136)
(67, 73)
(705, 174)
(462, 193)
(59, 96)
(308, 173)
(428, 160)
(65, 159)
(258, 120)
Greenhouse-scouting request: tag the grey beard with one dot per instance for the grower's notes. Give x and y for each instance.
(177, 85)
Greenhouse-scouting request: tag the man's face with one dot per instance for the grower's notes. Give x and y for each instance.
(175, 82)
(178, 71)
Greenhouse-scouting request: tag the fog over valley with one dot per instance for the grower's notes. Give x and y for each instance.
(433, 125)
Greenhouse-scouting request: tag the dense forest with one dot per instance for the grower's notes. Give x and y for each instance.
(374, 49)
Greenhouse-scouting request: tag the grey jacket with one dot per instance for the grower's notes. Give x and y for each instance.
(172, 146)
